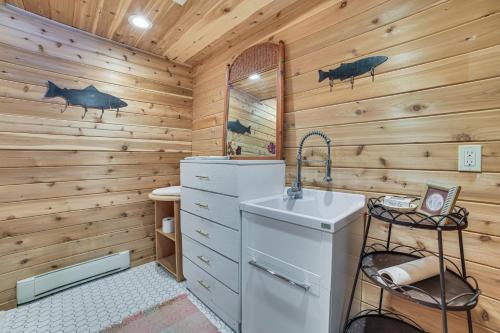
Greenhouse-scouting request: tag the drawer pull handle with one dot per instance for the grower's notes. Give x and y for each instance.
(204, 234)
(203, 177)
(201, 204)
(204, 285)
(203, 259)
(304, 286)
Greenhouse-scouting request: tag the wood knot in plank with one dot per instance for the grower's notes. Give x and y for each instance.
(485, 316)
(416, 107)
(463, 137)
(359, 150)
(484, 238)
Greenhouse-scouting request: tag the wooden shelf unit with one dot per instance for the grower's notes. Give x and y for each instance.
(170, 235)
(168, 245)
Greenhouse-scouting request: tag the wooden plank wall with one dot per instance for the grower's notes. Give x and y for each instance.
(439, 89)
(73, 189)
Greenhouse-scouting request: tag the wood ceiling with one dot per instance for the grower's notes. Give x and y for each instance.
(187, 33)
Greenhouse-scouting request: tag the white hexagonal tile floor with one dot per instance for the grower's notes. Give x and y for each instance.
(98, 304)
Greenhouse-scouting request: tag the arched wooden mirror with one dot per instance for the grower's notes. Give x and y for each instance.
(253, 126)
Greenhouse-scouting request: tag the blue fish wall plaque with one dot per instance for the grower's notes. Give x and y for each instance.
(350, 70)
(88, 98)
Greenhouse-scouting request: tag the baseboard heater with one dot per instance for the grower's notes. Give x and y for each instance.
(48, 283)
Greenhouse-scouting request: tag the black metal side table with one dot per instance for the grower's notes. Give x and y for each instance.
(451, 290)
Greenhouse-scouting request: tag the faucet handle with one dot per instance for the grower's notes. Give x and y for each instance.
(328, 171)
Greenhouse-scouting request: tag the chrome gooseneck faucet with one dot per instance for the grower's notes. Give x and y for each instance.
(295, 192)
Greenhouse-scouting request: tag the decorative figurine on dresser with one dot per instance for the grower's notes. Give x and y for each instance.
(213, 187)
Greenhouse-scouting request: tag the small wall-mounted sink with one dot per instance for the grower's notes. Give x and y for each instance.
(324, 210)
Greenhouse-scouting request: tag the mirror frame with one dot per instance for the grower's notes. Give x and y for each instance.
(258, 59)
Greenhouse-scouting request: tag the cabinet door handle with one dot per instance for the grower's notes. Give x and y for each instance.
(201, 204)
(204, 285)
(203, 177)
(302, 285)
(204, 234)
(203, 259)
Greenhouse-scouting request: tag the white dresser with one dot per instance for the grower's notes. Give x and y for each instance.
(211, 226)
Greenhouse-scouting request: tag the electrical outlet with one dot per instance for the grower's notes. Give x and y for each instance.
(469, 158)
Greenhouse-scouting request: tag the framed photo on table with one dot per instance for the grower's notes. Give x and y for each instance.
(438, 199)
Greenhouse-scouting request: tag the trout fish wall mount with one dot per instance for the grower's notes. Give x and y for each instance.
(351, 70)
(88, 98)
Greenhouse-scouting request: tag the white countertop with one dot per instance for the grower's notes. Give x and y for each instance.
(235, 162)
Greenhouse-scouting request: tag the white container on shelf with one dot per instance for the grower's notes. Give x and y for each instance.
(168, 225)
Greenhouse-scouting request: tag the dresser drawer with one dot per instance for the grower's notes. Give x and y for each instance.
(215, 236)
(207, 287)
(219, 208)
(219, 178)
(215, 264)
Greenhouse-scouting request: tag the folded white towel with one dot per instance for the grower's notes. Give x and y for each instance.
(412, 271)
(206, 158)
(171, 190)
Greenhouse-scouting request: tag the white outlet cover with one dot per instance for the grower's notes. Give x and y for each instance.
(469, 158)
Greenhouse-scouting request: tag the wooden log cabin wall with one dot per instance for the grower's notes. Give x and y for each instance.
(439, 89)
(73, 189)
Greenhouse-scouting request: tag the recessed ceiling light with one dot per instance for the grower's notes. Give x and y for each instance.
(140, 21)
(254, 77)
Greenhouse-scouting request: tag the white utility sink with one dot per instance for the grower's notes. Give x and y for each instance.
(299, 259)
(324, 210)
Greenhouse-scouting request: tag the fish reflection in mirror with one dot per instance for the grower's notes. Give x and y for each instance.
(353, 69)
(236, 127)
(88, 98)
